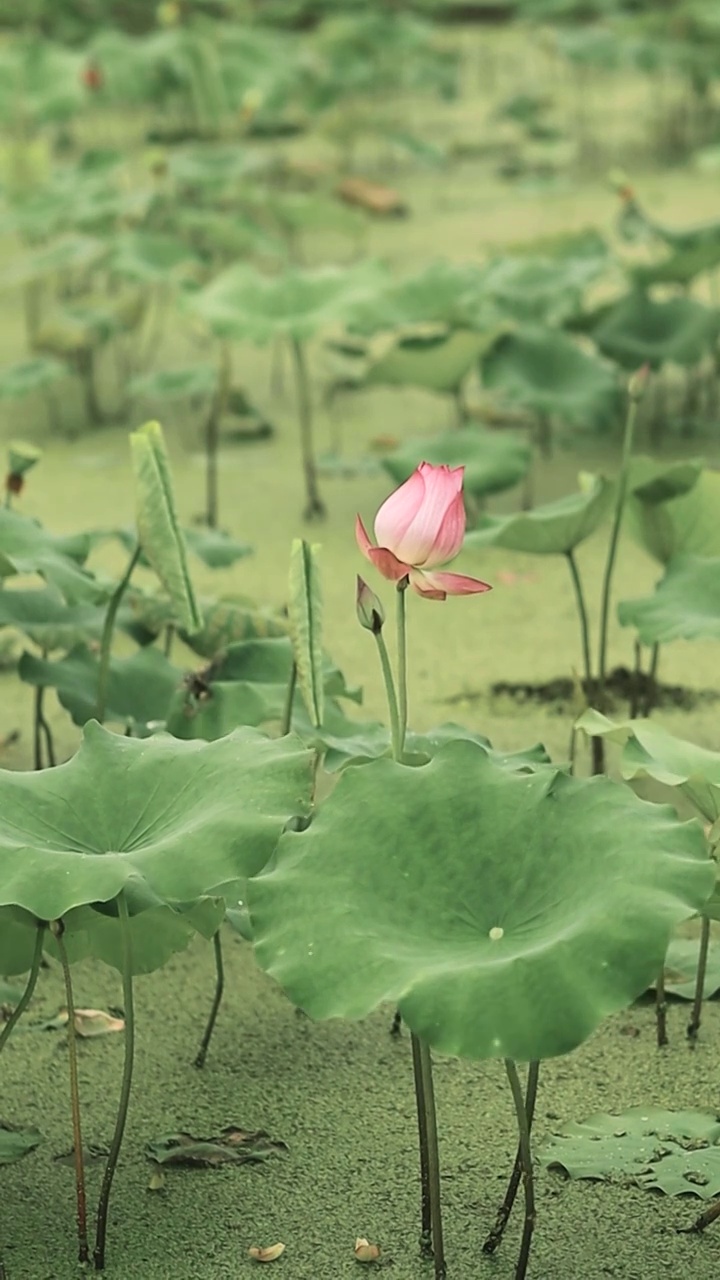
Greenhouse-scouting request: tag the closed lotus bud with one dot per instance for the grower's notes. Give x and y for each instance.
(637, 385)
(370, 612)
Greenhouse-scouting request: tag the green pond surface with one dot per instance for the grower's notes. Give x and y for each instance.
(341, 1095)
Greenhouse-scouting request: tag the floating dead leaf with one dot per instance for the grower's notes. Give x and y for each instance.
(232, 1145)
(365, 1251)
(269, 1254)
(156, 1181)
(89, 1023)
(93, 1153)
(16, 1142)
(381, 201)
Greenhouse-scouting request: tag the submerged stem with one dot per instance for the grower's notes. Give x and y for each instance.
(526, 1168)
(433, 1160)
(426, 1249)
(107, 635)
(126, 1085)
(57, 928)
(498, 1231)
(215, 1007)
(27, 994)
(696, 1014)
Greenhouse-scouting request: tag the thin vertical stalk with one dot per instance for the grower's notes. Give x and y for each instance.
(126, 1086)
(57, 929)
(286, 722)
(696, 1013)
(503, 1216)
(433, 1160)
(526, 1168)
(583, 619)
(628, 437)
(215, 1007)
(107, 635)
(390, 695)
(652, 686)
(402, 660)
(314, 507)
(212, 436)
(661, 1009)
(37, 734)
(27, 994)
(426, 1235)
(635, 691)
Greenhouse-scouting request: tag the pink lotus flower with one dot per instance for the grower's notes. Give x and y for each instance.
(422, 525)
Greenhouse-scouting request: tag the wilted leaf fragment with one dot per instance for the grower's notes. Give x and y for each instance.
(268, 1254)
(231, 1146)
(16, 1142)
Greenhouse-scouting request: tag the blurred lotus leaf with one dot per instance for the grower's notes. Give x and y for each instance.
(493, 460)
(638, 330)
(546, 372)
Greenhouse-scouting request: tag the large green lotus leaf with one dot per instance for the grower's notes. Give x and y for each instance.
(651, 751)
(553, 529)
(444, 293)
(229, 621)
(69, 253)
(192, 382)
(139, 688)
(684, 606)
(506, 913)
(677, 1152)
(540, 290)
(159, 531)
(682, 267)
(545, 371)
(493, 460)
(20, 380)
(168, 821)
(680, 972)
(687, 523)
(639, 331)
(148, 257)
(348, 742)
(216, 549)
(44, 616)
(435, 362)
(25, 547)
(242, 303)
(651, 481)
(247, 684)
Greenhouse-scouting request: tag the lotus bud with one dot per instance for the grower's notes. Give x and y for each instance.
(370, 612)
(21, 459)
(365, 1251)
(637, 386)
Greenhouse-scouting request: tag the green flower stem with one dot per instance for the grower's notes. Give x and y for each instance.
(496, 1235)
(27, 994)
(402, 587)
(107, 635)
(433, 1160)
(526, 1167)
(426, 1249)
(612, 553)
(286, 722)
(391, 696)
(212, 435)
(215, 1007)
(696, 1014)
(583, 617)
(57, 928)
(314, 507)
(651, 694)
(110, 1167)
